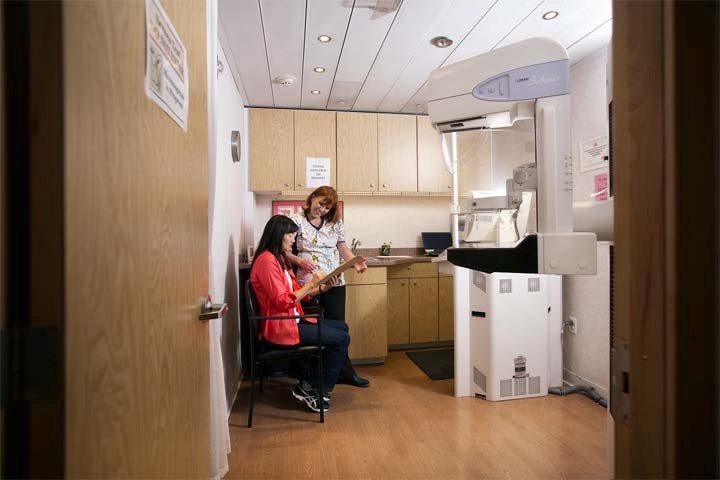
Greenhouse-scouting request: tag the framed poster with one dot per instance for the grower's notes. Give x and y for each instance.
(290, 207)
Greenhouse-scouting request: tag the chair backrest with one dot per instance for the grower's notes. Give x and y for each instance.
(253, 312)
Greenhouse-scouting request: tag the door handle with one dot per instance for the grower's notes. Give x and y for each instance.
(217, 310)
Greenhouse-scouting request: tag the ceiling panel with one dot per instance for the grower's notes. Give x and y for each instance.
(461, 18)
(402, 42)
(324, 17)
(284, 27)
(380, 57)
(591, 43)
(365, 36)
(243, 28)
(504, 17)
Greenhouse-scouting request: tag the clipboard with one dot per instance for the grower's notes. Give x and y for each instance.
(340, 269)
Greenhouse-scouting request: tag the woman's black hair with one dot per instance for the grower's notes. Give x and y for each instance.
(272, 238)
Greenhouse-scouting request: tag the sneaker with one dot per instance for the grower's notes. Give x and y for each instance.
(309, 397)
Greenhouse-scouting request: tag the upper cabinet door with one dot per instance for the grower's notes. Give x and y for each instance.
(271, 150)
(474, 152)
(314, 138)
(357, 152)
(397, 153)
(432, 175)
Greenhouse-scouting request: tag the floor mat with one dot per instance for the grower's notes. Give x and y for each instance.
(438, 364)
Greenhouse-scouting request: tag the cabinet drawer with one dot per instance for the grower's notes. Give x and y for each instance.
(413, 270)
(371, 276)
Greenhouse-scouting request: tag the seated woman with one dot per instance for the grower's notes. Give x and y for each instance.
(279, 293)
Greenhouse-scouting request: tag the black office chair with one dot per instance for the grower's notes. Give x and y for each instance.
(262, 351)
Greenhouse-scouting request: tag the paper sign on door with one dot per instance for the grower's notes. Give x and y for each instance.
(317, 172)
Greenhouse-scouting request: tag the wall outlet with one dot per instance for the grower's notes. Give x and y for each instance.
(572, 324)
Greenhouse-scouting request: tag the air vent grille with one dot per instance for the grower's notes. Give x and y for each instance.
(520, 386)
(533, 284)
(533, 385)
(506, 388)
(506, 285)
(480, 379)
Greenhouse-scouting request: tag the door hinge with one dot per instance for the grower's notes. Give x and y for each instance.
(31, 364)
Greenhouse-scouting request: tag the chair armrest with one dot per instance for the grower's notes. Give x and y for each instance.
(287, 317)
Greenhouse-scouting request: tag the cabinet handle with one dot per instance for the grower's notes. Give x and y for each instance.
(449, 187)
(372, 184)
(299, 184)
(286, 184)
(384, 185)
(415, 283)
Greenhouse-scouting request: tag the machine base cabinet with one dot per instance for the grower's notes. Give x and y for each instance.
(514, 334)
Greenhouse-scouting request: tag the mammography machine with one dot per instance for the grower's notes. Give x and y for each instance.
(508, 298)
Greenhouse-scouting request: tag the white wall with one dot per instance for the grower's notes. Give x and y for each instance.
(226, 217)
(586, 354)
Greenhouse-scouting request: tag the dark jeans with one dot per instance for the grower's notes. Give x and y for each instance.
(333, 304)
(335, 338)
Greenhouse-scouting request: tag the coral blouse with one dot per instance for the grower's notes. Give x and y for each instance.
(275, 297)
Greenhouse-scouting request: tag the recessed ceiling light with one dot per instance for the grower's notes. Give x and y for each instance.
(550, 15)
(315, 92)
(285, 80)
(341, 102)
(441, 42)
(319, 69)
(324, 38)
(418, 105)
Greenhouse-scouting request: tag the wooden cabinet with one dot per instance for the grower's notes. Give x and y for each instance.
(397, 153)
(446, 308)
(432, 175)
(413, 300)
(366, 314)
(271, 149)
(357, 152)
(314, 137)
(398, 328)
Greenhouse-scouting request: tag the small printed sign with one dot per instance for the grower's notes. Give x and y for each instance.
(593, 153)
(317, 172)
(166, 76)
(601, 187)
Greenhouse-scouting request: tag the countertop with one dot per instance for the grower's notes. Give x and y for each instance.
(395, 260)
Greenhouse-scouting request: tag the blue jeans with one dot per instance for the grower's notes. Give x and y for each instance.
(336, 340)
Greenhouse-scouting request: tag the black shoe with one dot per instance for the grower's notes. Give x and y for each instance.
(357, 381)
(309, 397)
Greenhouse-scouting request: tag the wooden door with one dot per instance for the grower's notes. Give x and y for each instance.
(357, 152)
(136, 192)
(314, 137)
(446, 308)
(397, 153)
(432, 175)
(423, 309)
(272, 165)
(397, 311)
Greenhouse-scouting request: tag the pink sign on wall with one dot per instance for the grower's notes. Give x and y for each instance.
(601, 187)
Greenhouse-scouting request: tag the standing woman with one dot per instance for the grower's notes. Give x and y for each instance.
(279, 293)
(321, 246)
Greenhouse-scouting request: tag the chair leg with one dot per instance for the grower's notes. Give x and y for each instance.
(322, 387)
(262, 377)
(252, 394)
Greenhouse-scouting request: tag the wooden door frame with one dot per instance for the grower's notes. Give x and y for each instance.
(33, 216)
(666, 143)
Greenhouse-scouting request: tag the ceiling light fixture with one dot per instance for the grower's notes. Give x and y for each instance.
(324, 38)
(550, 15)
(319, 69)
(341, 102)
(441, 42)
(315, 92)
(418, 105)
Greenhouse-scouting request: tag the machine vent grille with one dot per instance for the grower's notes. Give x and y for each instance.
(506, 285)
(533, 385)
(485, 218)
(506, 388)
(480, 379)
(533, 284)
(520, 386)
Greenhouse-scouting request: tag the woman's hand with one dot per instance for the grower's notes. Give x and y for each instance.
(360, 267)
(317, 276)
(307, 265)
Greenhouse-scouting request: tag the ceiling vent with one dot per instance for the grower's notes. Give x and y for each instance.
(285, 80)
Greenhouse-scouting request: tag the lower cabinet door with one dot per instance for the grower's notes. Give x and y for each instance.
(423, 309)
(397, 312)
(366, 314)
(446, 301)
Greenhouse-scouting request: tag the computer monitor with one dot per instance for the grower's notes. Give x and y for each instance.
(435, 243)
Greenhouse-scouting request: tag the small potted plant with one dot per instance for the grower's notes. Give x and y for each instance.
(385, 249)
